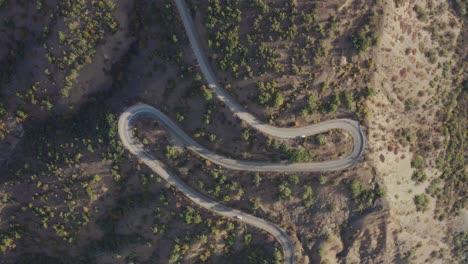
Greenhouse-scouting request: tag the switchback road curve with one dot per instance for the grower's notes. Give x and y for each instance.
(132, 113)
(126, 135)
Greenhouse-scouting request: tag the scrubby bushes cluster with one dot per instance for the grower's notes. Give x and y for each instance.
(367, 35)
(364, 197)
(78, 44)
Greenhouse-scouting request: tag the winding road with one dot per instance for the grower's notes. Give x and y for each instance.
(127, 118)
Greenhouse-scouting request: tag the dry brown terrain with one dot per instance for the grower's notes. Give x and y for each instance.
(69, 193)
(413, 86)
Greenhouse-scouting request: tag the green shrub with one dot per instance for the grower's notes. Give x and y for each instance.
(361, 42)
(320, 139)
(421, 201)
(417, 162)
(367, 36)
(171, 152)
(298, 155)
(460, 245)
(334, 102)
(294, 179)
(191, 215)
(284, 191)
(420, 13)
(207, 93)
(247, 239)
(419, 176)
(6, 243)
(462, 6)
(246, 134)
(3, 111)
(279, 100)
(364, 197)
(256, 179)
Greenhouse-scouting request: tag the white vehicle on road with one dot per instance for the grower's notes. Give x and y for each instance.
(132, 144)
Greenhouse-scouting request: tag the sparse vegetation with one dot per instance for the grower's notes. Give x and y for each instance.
(68, 68)
(450, 188)
(460, 245)
(246, 51)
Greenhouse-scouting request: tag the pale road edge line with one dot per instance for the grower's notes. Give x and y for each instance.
(353, 127)
(125, 133)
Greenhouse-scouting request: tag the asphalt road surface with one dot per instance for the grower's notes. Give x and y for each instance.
(126, 135)
(129, 141)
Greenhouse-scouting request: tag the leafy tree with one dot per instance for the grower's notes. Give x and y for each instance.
(180, 116)
(21, 115)
(323, 180)
(246, 134)
(256, 203)
(313, 104)
(171, 152)
(334, 103)
(460, 245)
(6, 243)
(367, 36)
(368, 92)
(320, 139)
(298, 155)
(279, 100)
(361, 42)
(175, 256)
(421, 201)
(364, 197)
(190, 216)
(418, 176)
(3, 111)
(247, 239)
(349, 100)
(294, 179)
(207, 93)
(256, 179)
(417, 162)
(284, 191)
(278, 257)
(308, 196)
(420, 13)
